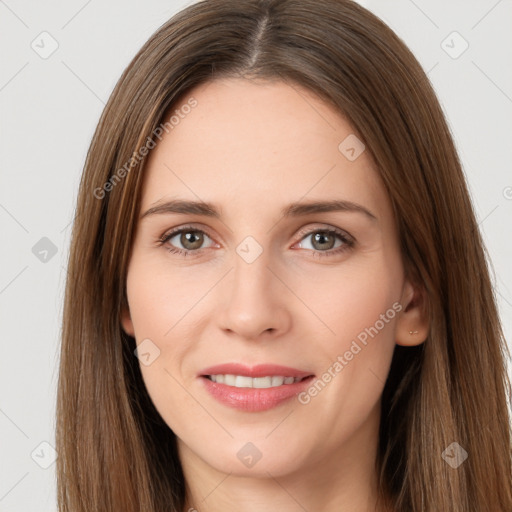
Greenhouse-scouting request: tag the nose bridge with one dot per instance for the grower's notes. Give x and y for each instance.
(251, 276)
(255, 303)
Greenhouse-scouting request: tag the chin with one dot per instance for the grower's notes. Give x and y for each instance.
(255, 459)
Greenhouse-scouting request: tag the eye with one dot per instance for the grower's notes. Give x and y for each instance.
(323, 241)
(189, 237)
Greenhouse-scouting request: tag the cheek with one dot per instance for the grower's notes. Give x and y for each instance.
(162, 313)
(351, 299)
(357, 310)
(361, 311)
(160, 296)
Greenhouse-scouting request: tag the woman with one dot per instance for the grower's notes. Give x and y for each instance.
(278, 295)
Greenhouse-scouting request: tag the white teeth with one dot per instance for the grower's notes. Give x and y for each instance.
(229, 380)
(263, 382)
(241, 381)
(277, 381)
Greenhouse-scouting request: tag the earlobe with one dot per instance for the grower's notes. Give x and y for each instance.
(412, 325)
(126, 322)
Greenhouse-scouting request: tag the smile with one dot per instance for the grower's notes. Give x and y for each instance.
(242, 381)
(253, 388)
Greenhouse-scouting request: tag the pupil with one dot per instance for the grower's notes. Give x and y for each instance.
(321, 237)
(189, 236)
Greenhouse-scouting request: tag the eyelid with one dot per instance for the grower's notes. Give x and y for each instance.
(307, 230)
(348, 239)
(164, 239)
(325, 227)
(190, 227)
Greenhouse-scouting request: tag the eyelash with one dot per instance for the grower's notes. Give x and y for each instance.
(348, 242)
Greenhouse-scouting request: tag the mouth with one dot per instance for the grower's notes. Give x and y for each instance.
(256, 388)
(242, 381)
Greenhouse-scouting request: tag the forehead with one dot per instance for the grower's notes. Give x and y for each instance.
(258, 145)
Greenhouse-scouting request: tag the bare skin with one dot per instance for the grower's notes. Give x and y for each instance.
(252, 149)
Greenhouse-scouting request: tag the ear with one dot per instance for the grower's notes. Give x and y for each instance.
(412, 325)
(126, 321)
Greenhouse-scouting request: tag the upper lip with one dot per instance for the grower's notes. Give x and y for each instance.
(259, 370)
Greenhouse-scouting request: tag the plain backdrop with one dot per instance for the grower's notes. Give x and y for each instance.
(61, 60)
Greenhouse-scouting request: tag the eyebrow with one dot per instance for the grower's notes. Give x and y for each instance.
(297, 209)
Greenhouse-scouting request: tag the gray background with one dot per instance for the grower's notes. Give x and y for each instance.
(50, 105)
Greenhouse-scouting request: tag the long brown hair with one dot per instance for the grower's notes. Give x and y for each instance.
(115, 451)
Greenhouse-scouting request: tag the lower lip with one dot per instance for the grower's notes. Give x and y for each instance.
(254, 399)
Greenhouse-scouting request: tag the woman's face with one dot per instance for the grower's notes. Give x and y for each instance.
(261, 278)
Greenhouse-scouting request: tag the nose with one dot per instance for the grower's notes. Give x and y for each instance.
(256, 301)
